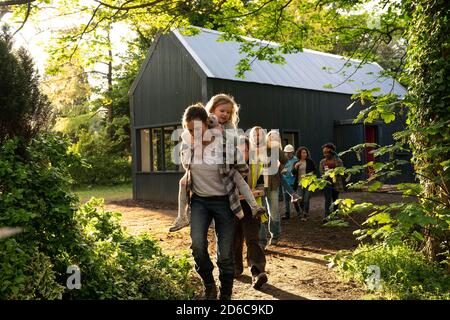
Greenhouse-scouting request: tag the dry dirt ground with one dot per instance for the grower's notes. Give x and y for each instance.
(296, 266)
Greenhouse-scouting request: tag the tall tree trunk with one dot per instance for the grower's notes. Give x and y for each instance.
(429, 113)
(110, 76)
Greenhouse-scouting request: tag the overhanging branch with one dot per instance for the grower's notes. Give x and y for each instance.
(15, 2)
(24, 20)
(125, 7)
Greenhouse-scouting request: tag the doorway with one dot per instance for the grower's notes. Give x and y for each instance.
(290, 137)
(370, 136)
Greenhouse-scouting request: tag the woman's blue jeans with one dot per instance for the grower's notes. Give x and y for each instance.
(306, 196)
(203, 211)
(271, 203)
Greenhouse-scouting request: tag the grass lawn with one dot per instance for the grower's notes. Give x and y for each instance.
(109, 193)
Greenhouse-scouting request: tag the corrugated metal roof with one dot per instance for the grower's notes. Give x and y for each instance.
(308, 69)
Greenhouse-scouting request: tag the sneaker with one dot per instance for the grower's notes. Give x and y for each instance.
(210, 291)
(273, 242)
(179, 224)
(295, 197)
(225, 293)
(237, 273)
(259, 280)
(258, 210)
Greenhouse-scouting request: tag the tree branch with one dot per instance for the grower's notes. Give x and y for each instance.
(363, 61)
(84, 31)
(277, 27)
(84, 73)
(251, 12)
(15, 2)
(24, 20)
(352, 55)
(397, 71)
(124, 7)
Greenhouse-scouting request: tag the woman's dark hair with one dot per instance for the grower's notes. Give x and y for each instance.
(298, 153)
(330, 146)
(246, 141)
(194, 112)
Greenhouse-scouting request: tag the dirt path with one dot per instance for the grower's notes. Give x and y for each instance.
(296, 266)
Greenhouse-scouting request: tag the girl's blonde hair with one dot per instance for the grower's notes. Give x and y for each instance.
(220, 99)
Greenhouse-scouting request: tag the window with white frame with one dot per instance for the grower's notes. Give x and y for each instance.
(156, 149)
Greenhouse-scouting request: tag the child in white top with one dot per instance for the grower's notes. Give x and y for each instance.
(223, 115)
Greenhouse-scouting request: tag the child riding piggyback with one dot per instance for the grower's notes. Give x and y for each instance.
(223, 115)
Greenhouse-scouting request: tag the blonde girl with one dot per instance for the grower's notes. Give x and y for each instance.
(225, 110)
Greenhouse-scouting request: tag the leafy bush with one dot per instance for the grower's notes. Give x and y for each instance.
(417, 219)
(115, 265)
(405, 273)
(26, 274)
(104, 162)
(35, 195)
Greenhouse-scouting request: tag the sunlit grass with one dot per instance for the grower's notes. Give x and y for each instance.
(109, 193)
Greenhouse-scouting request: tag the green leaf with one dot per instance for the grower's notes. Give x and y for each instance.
(348, 202)
(336, 224)
(445, 164)
(375, 186)
(388, 116)
(380, 218)
(378, 166)
(418, 236)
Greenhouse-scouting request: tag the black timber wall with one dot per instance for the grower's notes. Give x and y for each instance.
(158, 187)
(314, 114)
(311, 113)
(170, 82)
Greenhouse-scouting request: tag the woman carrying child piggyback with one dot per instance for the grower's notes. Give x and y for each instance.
(215, 186)
(222, 115)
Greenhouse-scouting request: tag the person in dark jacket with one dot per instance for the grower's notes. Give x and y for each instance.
(248, 229)
(331, 192)
(304, 166)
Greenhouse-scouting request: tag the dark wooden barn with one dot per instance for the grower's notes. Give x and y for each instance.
(306, 99)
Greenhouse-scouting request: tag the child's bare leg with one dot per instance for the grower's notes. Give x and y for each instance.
(245, 190)
(289, 190)
(183, 208)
